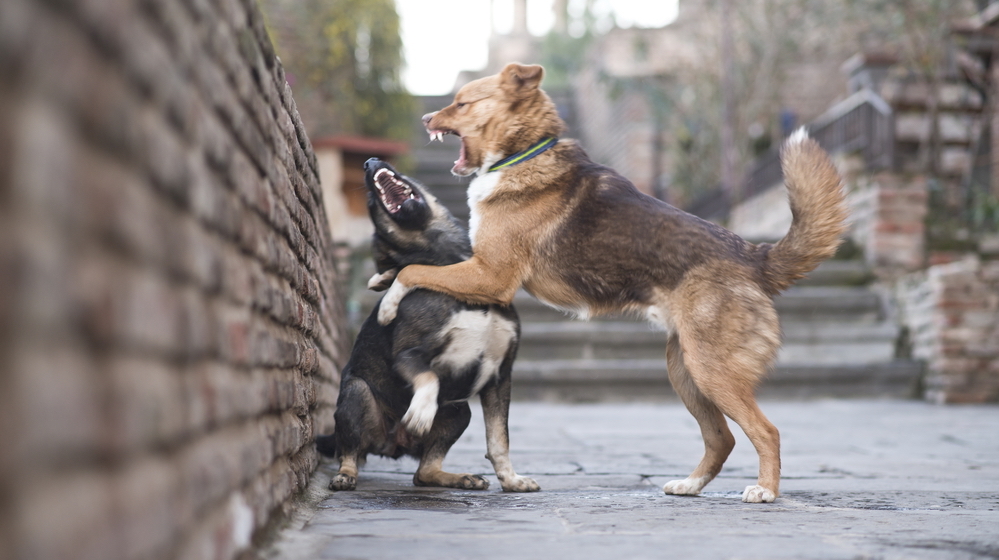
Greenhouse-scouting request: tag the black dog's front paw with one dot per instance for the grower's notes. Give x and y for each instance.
(343, 482)
(451, 480)
(474, 482)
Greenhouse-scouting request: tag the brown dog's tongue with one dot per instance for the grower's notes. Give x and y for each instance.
(461, 155)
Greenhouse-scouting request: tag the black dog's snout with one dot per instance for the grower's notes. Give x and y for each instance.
(371, 163)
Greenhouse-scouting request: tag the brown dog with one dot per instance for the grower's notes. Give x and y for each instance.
(580, 237)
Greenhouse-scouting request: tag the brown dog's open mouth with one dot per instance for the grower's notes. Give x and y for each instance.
(393, 191)
(462, 161)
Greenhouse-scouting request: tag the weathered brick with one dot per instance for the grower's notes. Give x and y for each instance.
(147, 405)
(165, 156)
(224, 532)
(147, 507)
(272, 348)
(197, 258)
(131, 308)
(322, 415)
(217, 146)
(46, 155)
(234, 337)
(216, 465)
(118, 205)
(178, 28)
(46, 531)
(55, 427)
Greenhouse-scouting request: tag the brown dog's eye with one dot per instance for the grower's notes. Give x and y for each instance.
(460, 105)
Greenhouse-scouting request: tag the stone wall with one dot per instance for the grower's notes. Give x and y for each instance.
(888, 213)
(170, 329)
(952, 313)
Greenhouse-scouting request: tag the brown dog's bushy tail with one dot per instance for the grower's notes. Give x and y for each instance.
(818, 209)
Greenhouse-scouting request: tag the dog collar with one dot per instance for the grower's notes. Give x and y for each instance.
(527, 154)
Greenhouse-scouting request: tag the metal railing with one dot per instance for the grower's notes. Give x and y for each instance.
(862, 123)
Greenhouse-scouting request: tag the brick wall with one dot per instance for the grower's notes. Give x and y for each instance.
(888, 216)
(170, 331)
(952, 313)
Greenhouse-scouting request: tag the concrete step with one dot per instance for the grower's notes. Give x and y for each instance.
(839, 273)
(819, 344)
(846, 343)
(802, 303)
(609, 380)
(816, 303)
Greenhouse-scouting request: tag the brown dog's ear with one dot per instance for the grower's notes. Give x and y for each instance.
(521, 78)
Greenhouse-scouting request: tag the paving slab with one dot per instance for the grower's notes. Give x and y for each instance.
(862, 479)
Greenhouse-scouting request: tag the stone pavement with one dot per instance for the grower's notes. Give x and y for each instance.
(862, 479)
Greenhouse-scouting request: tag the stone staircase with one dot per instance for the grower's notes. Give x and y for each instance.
(838, 341)
(839, 336)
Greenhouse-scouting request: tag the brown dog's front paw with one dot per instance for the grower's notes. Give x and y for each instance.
(758, 495)
(520, 484)
(381, 282)
(343, 482)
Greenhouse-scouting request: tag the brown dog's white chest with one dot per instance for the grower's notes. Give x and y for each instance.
(479, 190)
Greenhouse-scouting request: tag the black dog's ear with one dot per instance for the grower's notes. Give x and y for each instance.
(381, 282)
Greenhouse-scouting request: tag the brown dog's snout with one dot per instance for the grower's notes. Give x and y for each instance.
(427, 117)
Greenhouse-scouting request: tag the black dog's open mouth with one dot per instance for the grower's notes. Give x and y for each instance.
(393, 191)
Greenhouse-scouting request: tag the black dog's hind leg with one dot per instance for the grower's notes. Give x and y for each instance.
(449, 423)
(495, 397)
(357, 420)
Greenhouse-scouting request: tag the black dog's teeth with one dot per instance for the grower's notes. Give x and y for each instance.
(393, 191)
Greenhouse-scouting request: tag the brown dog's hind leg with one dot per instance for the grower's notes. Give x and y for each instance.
(766, 440)
(730, 336)
(449, 424)
(718, 440)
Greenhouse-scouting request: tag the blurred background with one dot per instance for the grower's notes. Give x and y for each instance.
(184, 238)
(690, 100)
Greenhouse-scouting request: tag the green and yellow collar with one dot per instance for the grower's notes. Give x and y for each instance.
(527, 154)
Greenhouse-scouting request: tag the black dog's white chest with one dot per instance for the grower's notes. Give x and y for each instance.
(475, 337)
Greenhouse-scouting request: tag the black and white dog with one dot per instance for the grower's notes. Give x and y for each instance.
(404, 390)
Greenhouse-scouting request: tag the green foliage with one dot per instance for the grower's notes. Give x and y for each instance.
(345, 57)
(984, 210)
(563, 56)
